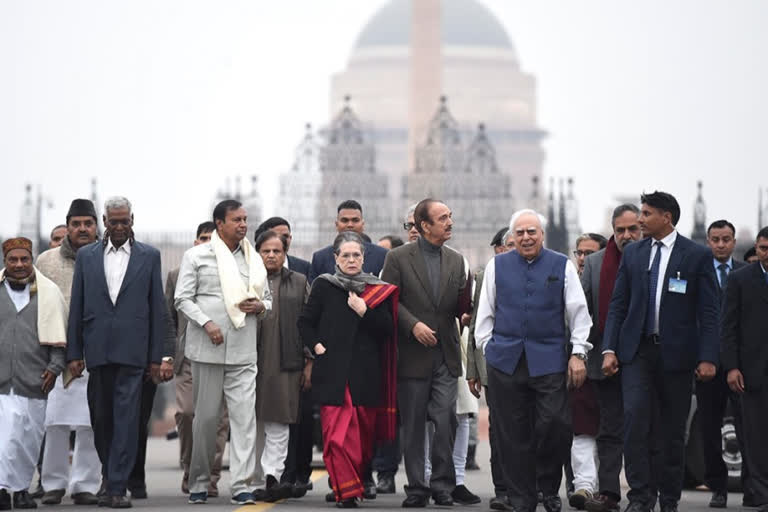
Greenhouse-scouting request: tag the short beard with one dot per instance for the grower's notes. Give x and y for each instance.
(20, 284)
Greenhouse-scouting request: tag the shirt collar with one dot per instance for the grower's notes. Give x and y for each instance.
(728, 263)
(763, 268)
(668, 240)
(125, 247)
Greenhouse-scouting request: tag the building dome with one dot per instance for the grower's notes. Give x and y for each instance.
(464, 23)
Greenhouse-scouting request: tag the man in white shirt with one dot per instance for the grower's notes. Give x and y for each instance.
(531, 298)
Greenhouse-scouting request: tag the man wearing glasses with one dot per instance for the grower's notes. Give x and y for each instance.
(586, 244)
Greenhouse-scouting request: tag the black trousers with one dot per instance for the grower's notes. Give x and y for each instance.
(711, 400)
(610, 445)
(754, 411)
(532, 421)
(656, 407)
(114, 400)
(298, 461)
(496, 473)
(137, 478)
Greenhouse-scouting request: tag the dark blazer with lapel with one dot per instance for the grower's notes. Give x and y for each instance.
(688, 323)
(721, 292)
(745, 323)
(590, 281)
(323, 261)
(352, 345)
(406, 269)
(133, 331)
(298, 265)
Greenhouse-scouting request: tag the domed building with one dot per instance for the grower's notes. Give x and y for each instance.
(477, 69)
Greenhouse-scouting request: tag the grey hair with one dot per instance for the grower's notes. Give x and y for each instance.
(621, 210)
(117, 203)
(347, 236)
(507, 234)
(527, 211)
(411, 210)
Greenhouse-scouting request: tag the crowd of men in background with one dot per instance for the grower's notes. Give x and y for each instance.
(588, 363)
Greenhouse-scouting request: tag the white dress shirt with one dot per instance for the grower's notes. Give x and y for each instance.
(668, 242)
(576, 310)
(20, 298)
(115, 265)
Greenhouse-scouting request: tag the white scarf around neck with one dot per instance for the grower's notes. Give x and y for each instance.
(233, 288)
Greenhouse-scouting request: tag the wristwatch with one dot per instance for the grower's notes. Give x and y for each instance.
(583, 357)
(168, 359)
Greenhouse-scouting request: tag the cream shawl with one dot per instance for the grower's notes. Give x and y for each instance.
(232, 287)
(52, 310)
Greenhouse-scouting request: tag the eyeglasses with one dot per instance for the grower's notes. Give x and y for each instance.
(408, 226)
(582, 254)
(351, 256)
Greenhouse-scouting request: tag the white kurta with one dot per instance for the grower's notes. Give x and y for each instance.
(21, 435)
(69, 406)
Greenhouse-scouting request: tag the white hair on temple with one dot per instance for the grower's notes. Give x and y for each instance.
(527, 211)
(410, 211)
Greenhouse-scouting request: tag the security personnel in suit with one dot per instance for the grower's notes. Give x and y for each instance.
(433, 295)
(745, 359)
(662, 325)
(349, 217)
(117, 327)
(712, 397)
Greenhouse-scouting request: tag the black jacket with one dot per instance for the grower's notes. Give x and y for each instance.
(352, 345)
(745, 323)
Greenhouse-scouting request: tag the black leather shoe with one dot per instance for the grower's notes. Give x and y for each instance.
(299, 489)
(22, 499)
(119, 502)
(330, 497)
(348, 503)
(386, 484)
(138, 493)
(668, 507)
(638, 506)
(552, 503)
(53, 497)
(103, 500)
(442, 499)
(464, 496)
(85, 498)
(415, 501)
(719, 499)
(5, 500)
(369, 489)
(277, 491)
(748, 501)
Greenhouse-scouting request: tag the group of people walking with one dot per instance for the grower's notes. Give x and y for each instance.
(584, 362)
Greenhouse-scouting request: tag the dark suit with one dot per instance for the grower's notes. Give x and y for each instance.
(299, 265)
(427, 376)
(118, 342)
(324, 262)
(608, 390)
(657, 378)
(711, 400)
(744, 348)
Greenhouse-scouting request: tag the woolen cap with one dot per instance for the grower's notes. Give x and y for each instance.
(17, 243)
(81, 208)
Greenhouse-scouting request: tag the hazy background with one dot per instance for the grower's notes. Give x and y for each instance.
(162, 99)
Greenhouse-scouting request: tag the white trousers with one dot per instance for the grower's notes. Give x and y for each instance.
(460, 445)
(584, 463)
(212, 384)
(22, 424)
(271, 449)
(85, 475)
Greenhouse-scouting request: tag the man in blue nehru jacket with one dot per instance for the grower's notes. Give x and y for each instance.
(531, 299)
(662, 325)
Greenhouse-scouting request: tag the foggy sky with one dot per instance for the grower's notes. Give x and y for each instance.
(162, 99)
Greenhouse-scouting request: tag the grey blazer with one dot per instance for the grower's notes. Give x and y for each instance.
(475, 357)
(405, 268)
(590, 281)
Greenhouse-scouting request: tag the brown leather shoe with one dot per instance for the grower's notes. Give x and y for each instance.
(601, 503)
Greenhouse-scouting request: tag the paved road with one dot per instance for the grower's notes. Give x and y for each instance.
(164, 478)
